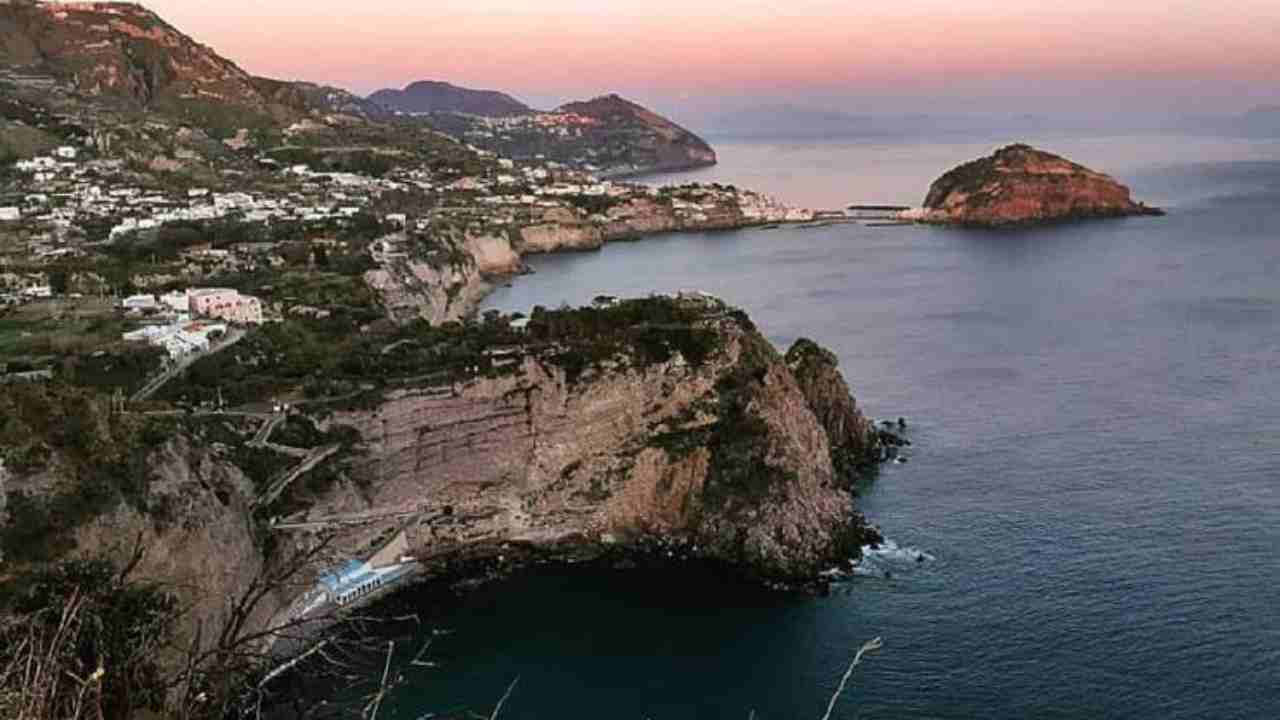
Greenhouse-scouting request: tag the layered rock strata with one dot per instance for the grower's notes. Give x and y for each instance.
(729, 456)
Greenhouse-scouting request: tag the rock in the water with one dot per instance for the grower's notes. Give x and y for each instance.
(1019, 184)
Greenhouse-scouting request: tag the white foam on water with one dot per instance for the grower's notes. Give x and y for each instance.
(887, 558)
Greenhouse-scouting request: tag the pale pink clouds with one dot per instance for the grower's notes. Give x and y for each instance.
(734, 47)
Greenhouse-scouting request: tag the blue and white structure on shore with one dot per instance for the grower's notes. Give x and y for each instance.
(360, 578)
(357, 579)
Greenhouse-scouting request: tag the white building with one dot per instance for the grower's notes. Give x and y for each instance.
(66, 152)
(140, 302)
(10, 214)
(177, 340)
(36, 164)
(177, 301)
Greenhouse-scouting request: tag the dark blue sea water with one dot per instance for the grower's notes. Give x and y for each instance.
(1096, 468)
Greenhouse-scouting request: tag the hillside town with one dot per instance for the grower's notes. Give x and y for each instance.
(177, 264)
(54, 197)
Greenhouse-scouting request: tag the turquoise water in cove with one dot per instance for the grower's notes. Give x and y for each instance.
(1096, 471)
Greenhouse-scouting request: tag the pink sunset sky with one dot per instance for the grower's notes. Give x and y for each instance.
(899, 56)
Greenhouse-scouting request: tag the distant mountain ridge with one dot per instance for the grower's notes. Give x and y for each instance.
(428, 96)
(654, 143)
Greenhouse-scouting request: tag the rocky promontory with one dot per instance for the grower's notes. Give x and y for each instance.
(659, 422)
(1018, 185)
(659, 430)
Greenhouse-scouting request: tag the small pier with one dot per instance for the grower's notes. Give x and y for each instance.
(878, 214)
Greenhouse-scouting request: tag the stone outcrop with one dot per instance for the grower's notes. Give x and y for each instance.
(493, 255)
(691, 438)
(724, 458)
(559, 229)
(1019, 184)
(854, 439)
(447, 286)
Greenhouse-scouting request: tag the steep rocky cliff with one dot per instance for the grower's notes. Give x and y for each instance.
(1019, 184)
(691, 432)
(854, 440)
(663, 429)
(444, 283)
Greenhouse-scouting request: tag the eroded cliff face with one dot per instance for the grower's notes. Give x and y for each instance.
(854, 440)
(449, 282)
(723, 456)
(1019, 184)
(446, 287)
(560, 230)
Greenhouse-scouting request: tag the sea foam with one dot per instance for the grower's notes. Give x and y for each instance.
(887, 558)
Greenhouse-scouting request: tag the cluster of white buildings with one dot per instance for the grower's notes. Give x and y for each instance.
(198, 316)
(63, 189)
(562, 124)
(179, 339)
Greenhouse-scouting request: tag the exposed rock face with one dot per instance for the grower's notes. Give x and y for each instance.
(1019, 184)
(451, 285)
(853, 436)
(431, 96)
(663, 144)
(725, 458)
(560, 230)
(445, 288)
(493, 255)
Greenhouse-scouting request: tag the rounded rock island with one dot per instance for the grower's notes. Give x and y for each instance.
(1019, 185)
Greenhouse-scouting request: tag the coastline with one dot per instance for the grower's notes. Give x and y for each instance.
(491, 281)
(456, 569)
(656, 170)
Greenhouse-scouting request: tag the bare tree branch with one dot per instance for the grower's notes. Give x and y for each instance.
(867, 647)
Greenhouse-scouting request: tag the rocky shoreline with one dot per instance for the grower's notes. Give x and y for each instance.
(472, 266)
(744, 464)
(639, 173)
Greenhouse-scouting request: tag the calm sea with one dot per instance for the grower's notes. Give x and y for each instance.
(1096, 468)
